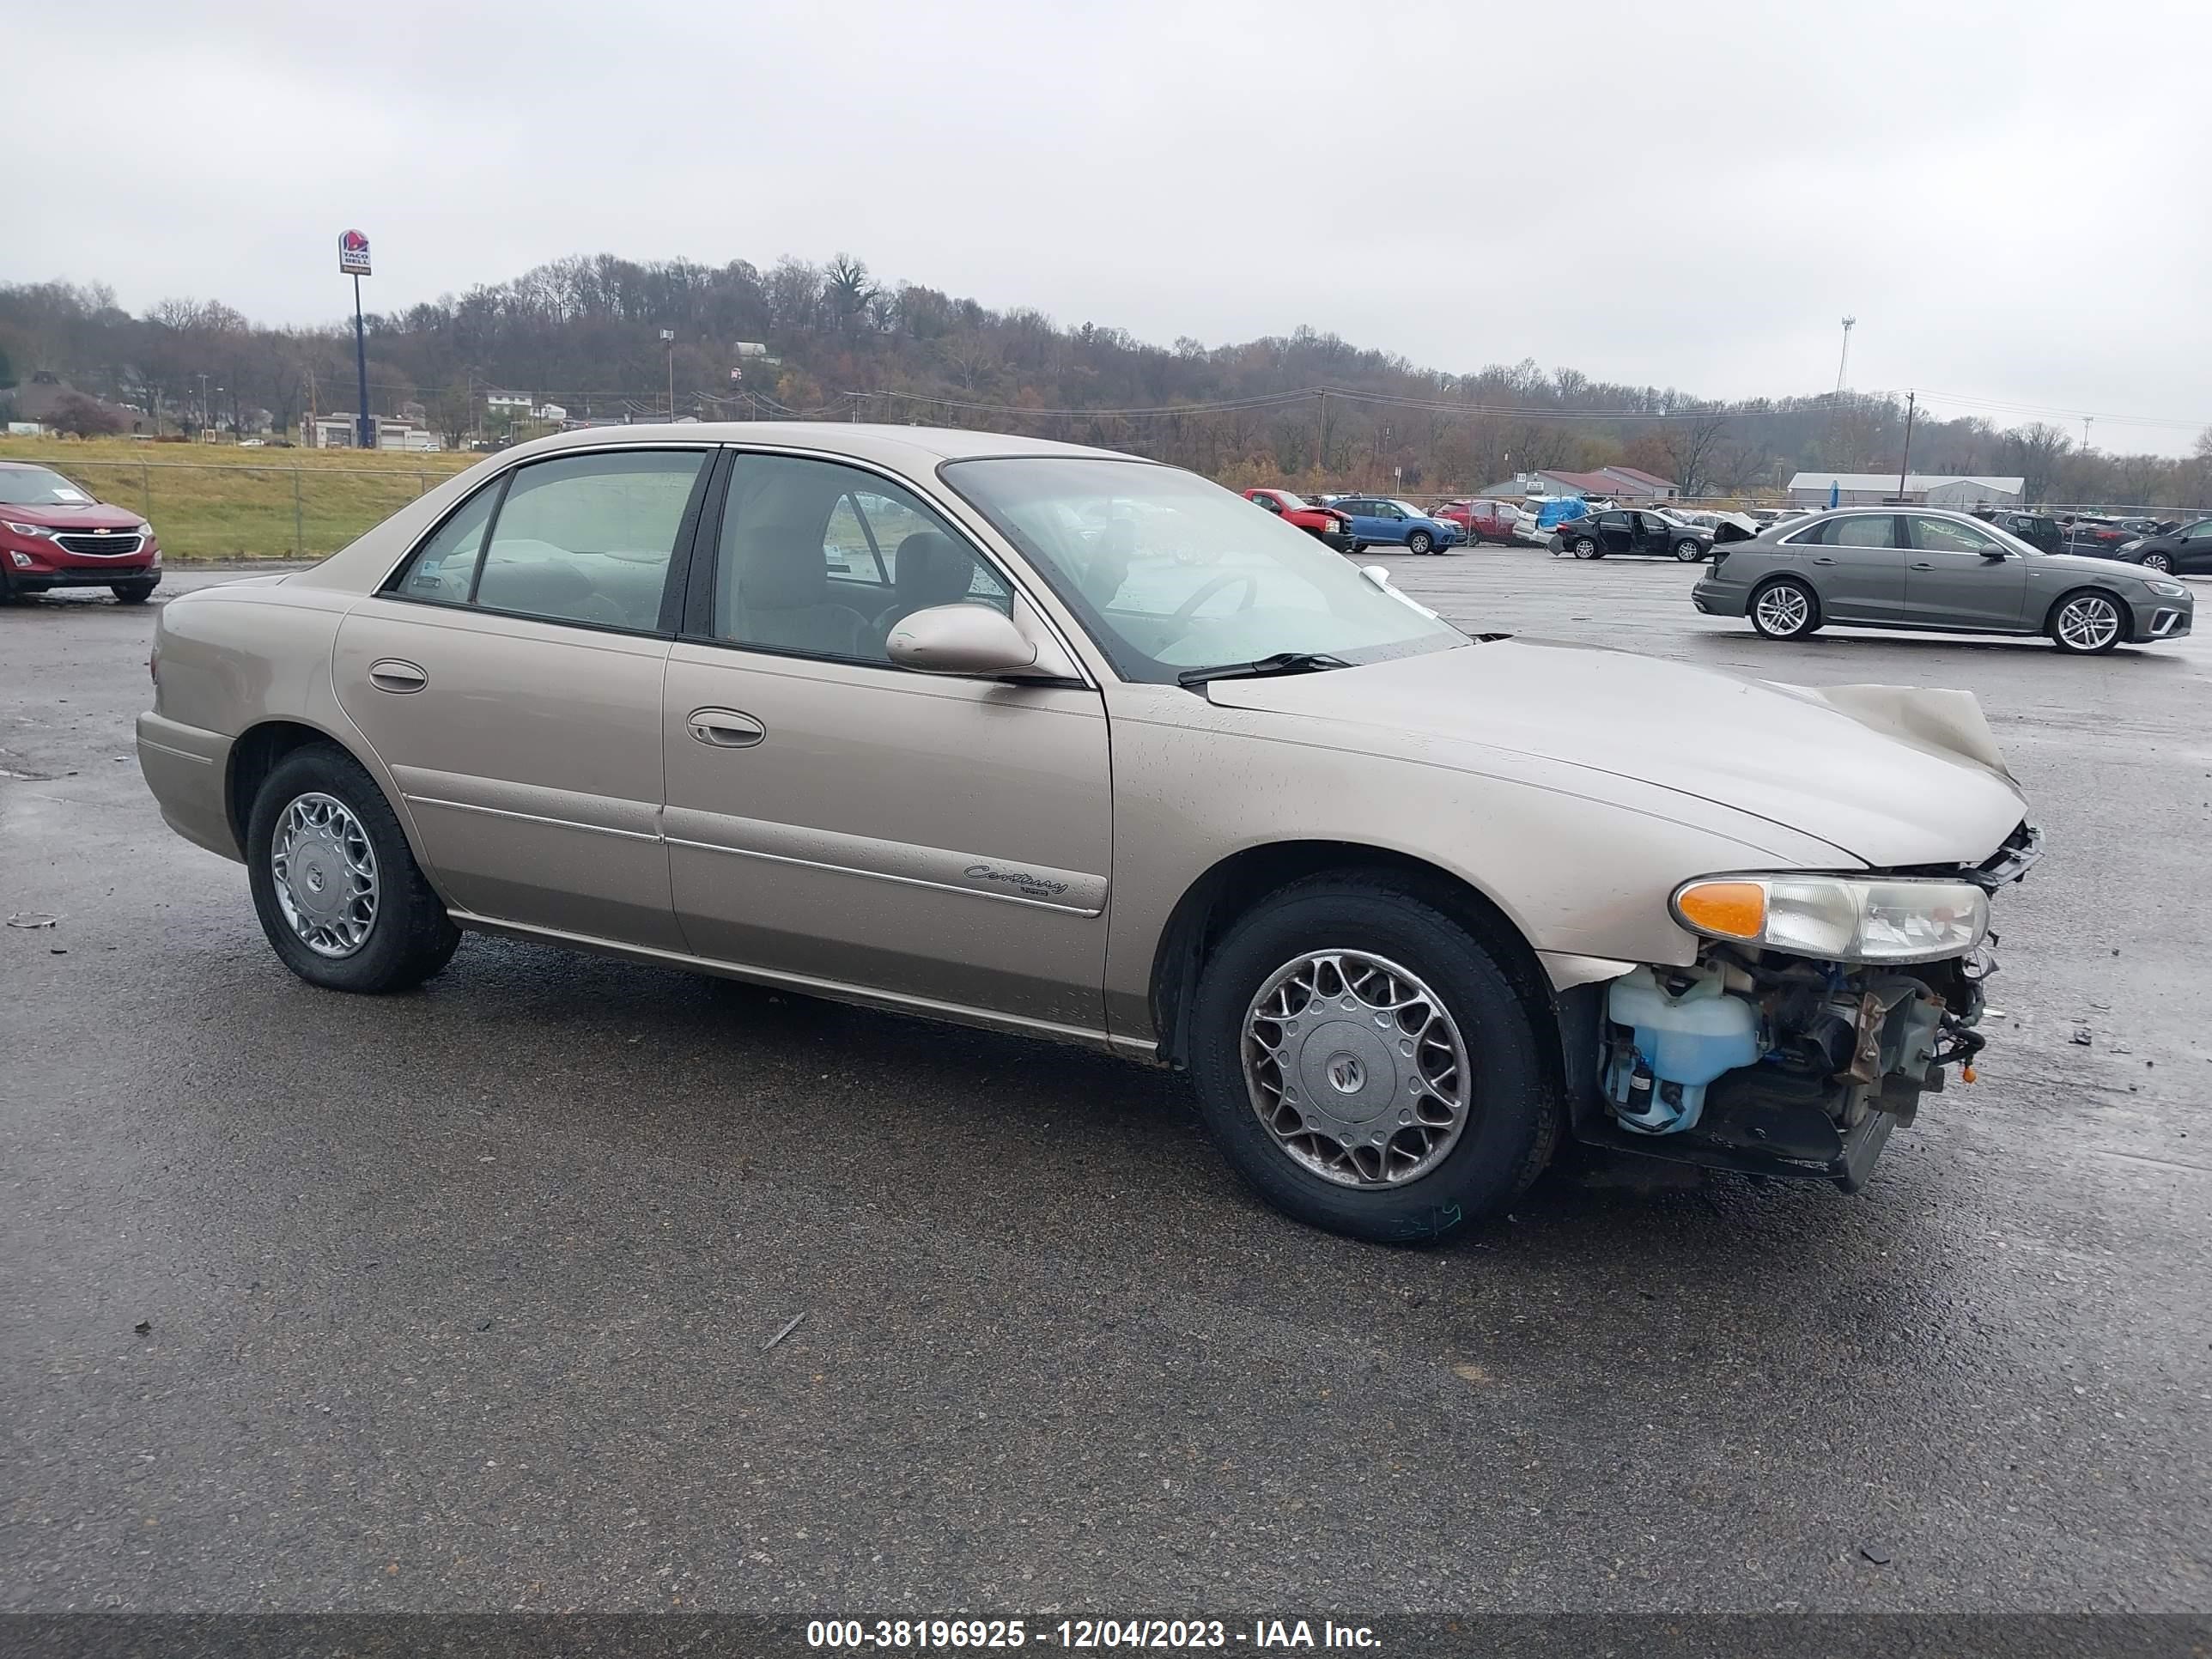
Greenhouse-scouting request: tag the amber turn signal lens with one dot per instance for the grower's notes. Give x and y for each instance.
(1725, 909)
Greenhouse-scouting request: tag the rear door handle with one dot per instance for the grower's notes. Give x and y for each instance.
(1923, 566)
(1825, 561)
(725, 729)
(393, 674)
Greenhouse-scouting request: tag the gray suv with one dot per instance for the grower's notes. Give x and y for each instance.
(1922, 569)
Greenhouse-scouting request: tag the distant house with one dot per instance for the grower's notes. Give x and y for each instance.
(1921, 489)
(514, 405)
(337, 431)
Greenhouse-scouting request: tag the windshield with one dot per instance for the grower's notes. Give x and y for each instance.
(1289, 500)
(1409, 509)
(36, 486)
(1169, 573)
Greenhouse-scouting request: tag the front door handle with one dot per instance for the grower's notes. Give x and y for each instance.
(1824, 562)
(1923, 566)
(393, 674)
(725, 729)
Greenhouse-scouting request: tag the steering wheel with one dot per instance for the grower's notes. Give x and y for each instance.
(1188, 608)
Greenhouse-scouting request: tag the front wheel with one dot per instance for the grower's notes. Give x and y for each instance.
(133, 592)
(2162, 562)
(2087, 624)
(1688, 551)
(1785, 608)
(1420, 542)
(340, 896)
(1584, 548)
(1364, 1063)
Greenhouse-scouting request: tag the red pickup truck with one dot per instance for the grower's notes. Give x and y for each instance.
(1330, 525)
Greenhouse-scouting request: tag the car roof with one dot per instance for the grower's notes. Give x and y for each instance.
(893, 445)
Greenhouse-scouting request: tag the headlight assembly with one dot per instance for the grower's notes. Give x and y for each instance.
(1837, 918)
(29, 533)
(2166, 590)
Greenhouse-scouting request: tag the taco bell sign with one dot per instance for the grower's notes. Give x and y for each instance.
(353, 254)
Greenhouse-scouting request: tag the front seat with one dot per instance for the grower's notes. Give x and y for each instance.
(783, 596)
(930, 568)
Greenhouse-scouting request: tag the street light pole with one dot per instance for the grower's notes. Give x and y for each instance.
(1903, 464)
(668, 339)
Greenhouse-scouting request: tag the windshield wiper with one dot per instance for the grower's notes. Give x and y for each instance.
(1283, 662)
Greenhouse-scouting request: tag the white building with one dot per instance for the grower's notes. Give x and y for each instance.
(1951, 490)
(514, 405)
(337, 431)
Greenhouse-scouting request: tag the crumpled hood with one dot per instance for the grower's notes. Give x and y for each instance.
(1892, 775)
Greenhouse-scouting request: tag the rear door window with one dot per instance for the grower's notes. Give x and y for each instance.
(588, 538)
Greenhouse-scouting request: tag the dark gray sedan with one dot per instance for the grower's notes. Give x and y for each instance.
(1917, 567)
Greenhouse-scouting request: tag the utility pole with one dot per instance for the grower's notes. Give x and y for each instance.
(668, 339)
(1324, 437)
(1911, 399)
(2088, 420)
(203, 404)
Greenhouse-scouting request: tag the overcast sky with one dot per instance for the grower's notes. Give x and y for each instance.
(2014, 200)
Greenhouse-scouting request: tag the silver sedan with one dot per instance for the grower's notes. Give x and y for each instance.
(1923, 568)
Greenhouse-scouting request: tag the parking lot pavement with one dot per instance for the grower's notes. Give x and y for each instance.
(458, 1299)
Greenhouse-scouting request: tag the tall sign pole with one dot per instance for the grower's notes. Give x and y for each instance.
(353, 261)
(1905, 462)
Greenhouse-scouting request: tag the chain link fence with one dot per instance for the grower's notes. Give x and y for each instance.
(234, 510)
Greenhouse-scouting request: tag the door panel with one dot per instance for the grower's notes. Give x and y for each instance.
(530, 757)
(1858, 569)
(1948, 582)
(934, 838)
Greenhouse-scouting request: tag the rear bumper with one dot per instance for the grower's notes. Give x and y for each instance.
(188, 770)
(1717, 599)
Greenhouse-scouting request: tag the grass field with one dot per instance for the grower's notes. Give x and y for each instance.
(219, 501)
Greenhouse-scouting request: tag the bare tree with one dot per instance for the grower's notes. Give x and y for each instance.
(1691, 443)
(2036, 450)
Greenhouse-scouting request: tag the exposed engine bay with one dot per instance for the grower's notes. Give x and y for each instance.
(1770, 1062)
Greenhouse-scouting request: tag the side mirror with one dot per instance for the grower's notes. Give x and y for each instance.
(960, 639)
(1994, 555)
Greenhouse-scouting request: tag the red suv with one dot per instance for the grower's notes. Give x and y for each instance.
(1483, 520)
(54, 535)
(1326, 522)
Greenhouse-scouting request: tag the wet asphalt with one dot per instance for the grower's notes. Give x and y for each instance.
(459, 1299)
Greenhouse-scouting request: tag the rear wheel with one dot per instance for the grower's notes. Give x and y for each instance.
(133, 593)
(338, 890)
(1688, 551)
(1364, 1063)
(2087, 624)
(1420, 542)
(1584, 548)
(1785, 608)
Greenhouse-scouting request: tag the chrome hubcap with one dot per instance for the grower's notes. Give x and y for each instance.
(1356, 1068)
(2089, 623)
(325, 875)
(1782, 609)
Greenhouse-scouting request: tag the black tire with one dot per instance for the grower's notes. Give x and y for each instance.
(1420, 542)
(411, 937)
(1512, 1121)
(1357, 547)
(2055, 624)
(1811, 624)
(133, 593)
(1688, 551)
(1583, 547)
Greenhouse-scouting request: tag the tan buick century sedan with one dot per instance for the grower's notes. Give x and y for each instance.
(1070, 743)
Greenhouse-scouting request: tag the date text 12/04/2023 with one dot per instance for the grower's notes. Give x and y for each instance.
(1086, 1633)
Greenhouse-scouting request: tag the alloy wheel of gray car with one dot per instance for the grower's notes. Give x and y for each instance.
(1584, 548)
(1688, 551)
(1784, 610)
(2087, 623)
(1419, 542)
(1356, 1067)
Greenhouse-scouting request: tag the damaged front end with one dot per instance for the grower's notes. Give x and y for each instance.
(1817, 1012)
